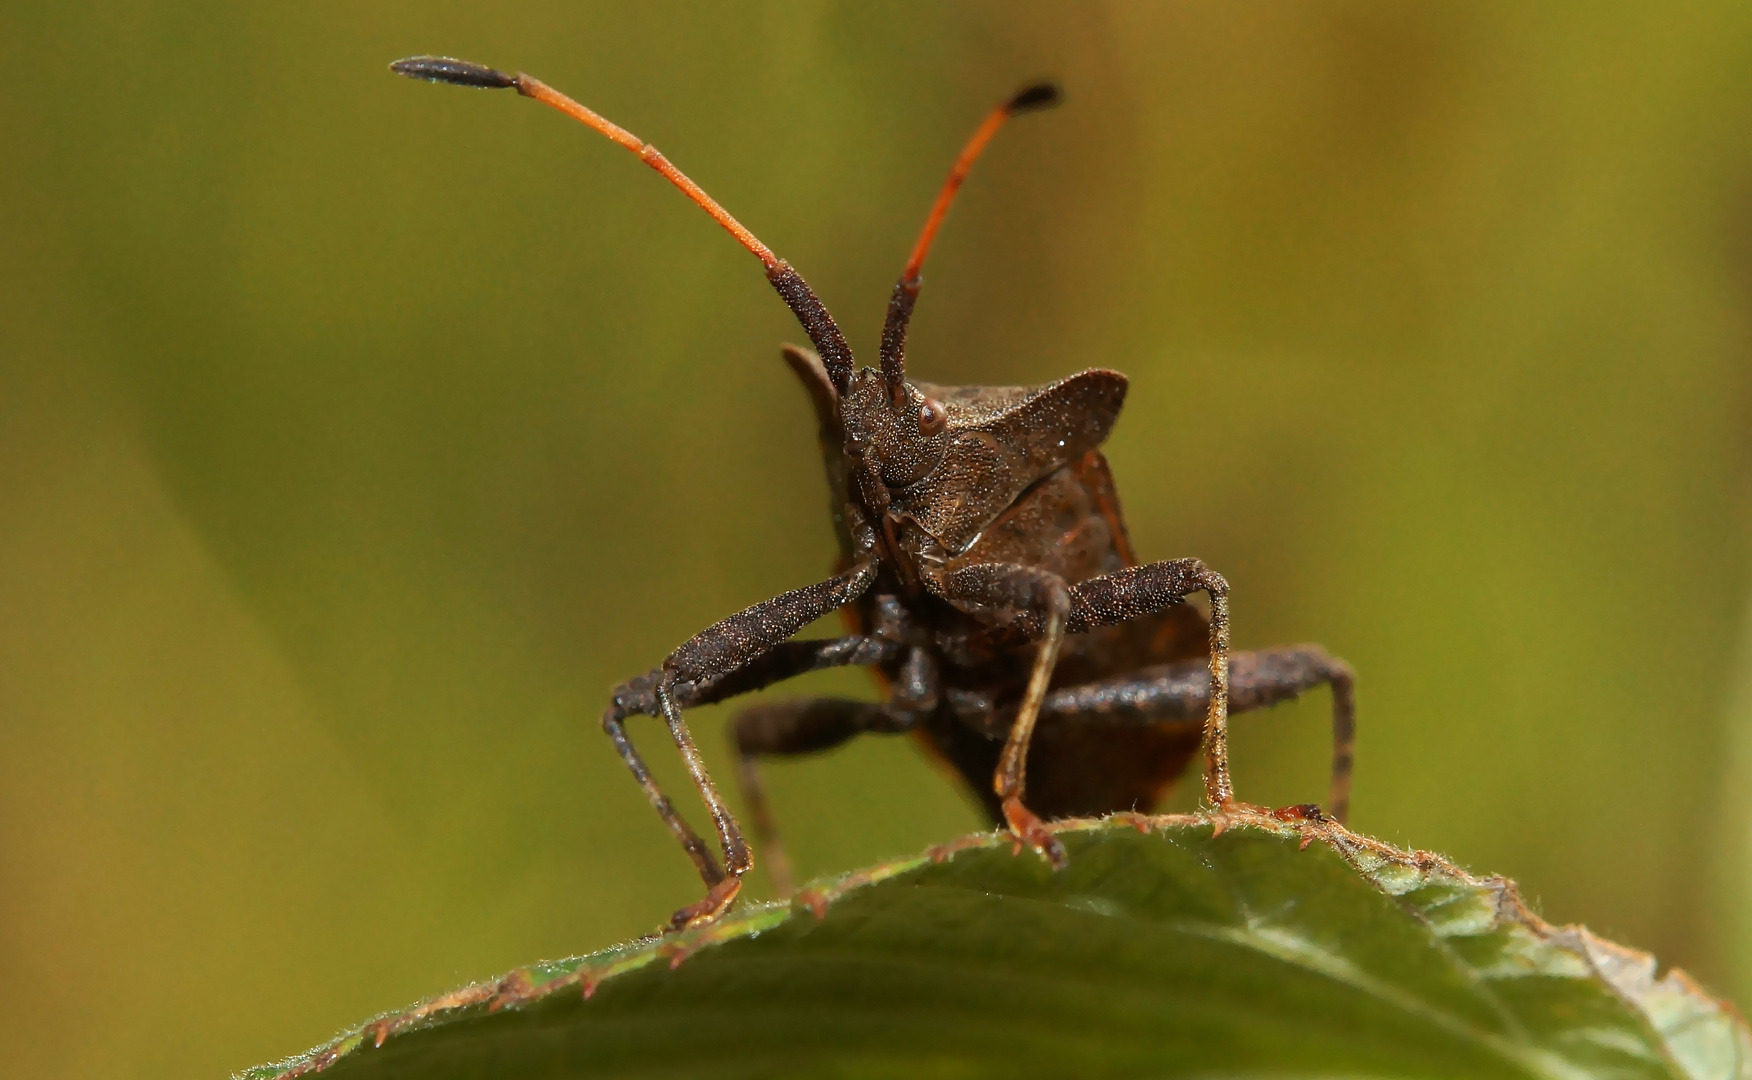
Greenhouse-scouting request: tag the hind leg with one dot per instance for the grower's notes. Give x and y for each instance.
(1173, 692)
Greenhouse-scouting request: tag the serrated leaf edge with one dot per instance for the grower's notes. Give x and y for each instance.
(1702, 1036)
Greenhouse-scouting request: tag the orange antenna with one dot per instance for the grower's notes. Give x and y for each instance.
(836, 355)
(906, 291)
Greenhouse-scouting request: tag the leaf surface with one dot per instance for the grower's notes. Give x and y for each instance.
(1162, 950)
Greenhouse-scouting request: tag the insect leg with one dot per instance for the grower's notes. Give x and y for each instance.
(614, 727)
(786, 660)
(638, 697)
(1143, 590)
(1172, 692)
(801, 727)
(698, 669)
(1039, 599)
(790, 728)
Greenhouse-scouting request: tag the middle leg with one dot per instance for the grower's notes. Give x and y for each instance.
(801, 727)
(790, 728)
(1039, 601)
(1181, 692)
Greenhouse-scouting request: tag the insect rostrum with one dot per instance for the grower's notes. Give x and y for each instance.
(986, 574)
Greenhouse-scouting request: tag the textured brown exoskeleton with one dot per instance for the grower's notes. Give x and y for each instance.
(988, 579)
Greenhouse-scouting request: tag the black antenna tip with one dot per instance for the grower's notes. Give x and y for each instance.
(1042, 95)
(456, 72)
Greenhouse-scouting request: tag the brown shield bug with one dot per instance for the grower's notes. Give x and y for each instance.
(987, 577)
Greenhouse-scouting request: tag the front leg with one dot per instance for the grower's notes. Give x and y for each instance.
(700, 667)
(1144, 590)
(1039, 600)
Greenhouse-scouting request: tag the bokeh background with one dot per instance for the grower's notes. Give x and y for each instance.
(357, 435)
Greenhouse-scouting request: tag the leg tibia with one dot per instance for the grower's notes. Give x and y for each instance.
(1181, 691)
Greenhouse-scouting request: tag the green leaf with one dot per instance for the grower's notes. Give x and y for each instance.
(1162, 950)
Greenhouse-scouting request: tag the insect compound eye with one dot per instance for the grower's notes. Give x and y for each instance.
(932, 418)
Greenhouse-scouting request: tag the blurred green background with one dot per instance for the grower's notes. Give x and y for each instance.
(357, 435)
